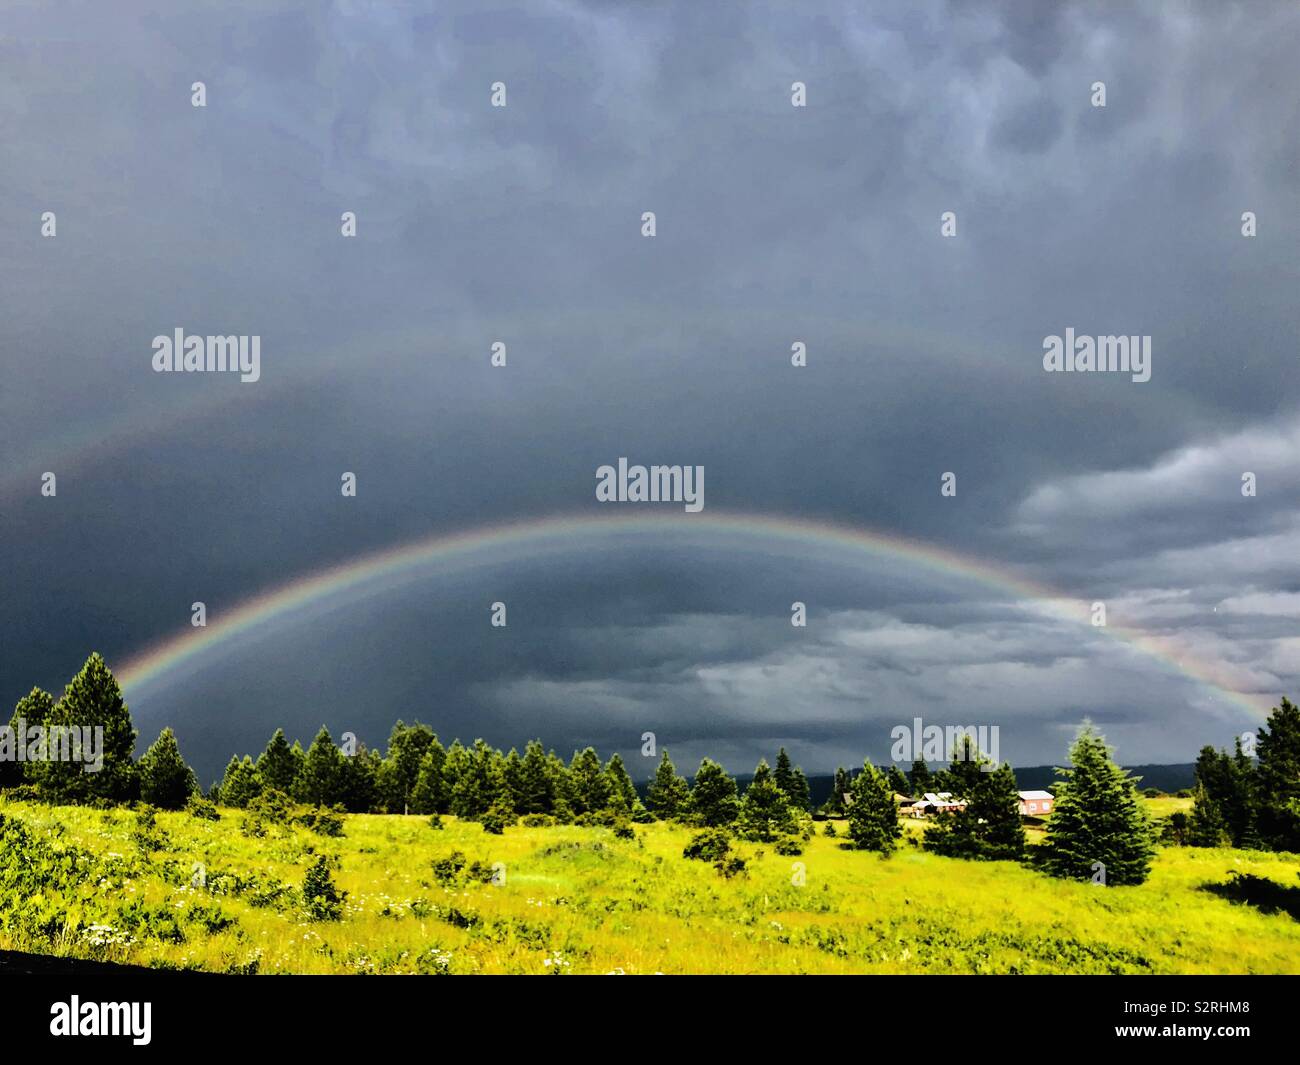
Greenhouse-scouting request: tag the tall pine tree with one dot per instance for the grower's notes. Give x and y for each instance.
(1099, 830)
(166, 781)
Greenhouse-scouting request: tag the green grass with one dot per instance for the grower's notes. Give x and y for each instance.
(587, 902)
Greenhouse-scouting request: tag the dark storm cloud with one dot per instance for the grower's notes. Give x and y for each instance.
(775, 224)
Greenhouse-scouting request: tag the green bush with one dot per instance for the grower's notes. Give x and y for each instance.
(203, 809)
(711, 845)
(322, 900)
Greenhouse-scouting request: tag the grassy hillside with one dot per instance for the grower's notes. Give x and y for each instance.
(579, 900)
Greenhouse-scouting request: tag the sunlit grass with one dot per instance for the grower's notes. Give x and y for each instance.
(579, 900)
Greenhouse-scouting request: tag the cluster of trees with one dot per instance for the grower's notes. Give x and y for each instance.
(417, 774)
(1098, 829)
(1250, 802)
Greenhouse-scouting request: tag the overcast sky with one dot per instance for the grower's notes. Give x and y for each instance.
(774, 224)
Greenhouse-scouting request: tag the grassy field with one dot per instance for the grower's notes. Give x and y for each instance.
(579, 900)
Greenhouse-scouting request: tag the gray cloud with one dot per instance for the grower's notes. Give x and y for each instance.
(775, 224)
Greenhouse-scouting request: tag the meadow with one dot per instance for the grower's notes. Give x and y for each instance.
(567, 900)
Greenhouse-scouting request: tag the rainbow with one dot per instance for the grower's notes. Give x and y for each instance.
(495, 544)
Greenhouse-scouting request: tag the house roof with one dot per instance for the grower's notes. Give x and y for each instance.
(1036, 795)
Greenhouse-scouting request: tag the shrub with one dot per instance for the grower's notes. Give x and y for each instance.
(537, 821)
(146, 834)
(711, 845)
(730, 867)
(324, 821)
(203, 809)
(623, 830)
(323, 901)
(789, 845)
(831, 830)
(498, 816)
(446, 871)
(436, 822)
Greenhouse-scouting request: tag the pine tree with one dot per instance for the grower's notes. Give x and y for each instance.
(359, 780)
(800, 792)
(668, 793)
(166, 781)
(713, 799)
(93, 699)
(241, 784)
(321, 783)
(474, 790)
(512, 789)
(1278, 778)
(407, 745)
(765, 813)
(590, 786)
(536, 785)
(323, 901)
(278, 766)
(897, 781)
(1207, 826)
(989, 827)
(873, 817)
(783, 774)
(1098, 830)
(842, 786)
(562, 786)
(622, 792)
(431, 794)
(921, 779)
(32, 711)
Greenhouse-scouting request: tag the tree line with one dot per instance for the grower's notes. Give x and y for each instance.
(1098, 830)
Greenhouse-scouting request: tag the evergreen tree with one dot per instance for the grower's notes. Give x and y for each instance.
(1207, 826)
(1278, 778)
(475, 790)
(590, 785)
(407, 745)
(512, 774)
(713, 799)
(321, 783)
(921, 779)
(323, 901)
(622, 792)
(765, 813)
(989, 827)
(783, 774)
(455, 768)
(32, 710)
(562, 786)
(842, 786)
(897, 781)
(241, 784)
(93, 699)
(278, 766)
(668, 793)
(166, 781)
(431, 794)
(1098, 829)
(800, 793)
(536, 785)
(359, 780)
(873, 817)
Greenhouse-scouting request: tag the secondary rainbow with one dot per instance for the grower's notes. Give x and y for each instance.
(500, 543)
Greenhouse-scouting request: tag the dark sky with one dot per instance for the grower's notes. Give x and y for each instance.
(774, 224)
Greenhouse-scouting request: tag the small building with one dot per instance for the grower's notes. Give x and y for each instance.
(1035, 803)
(936, 803)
